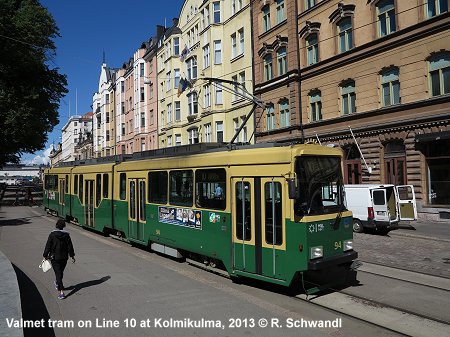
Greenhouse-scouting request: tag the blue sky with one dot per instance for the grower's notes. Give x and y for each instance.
(87, 29)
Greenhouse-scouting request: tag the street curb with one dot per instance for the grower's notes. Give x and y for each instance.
(418, 236)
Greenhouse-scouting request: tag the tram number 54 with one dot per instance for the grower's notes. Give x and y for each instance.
(337, 245)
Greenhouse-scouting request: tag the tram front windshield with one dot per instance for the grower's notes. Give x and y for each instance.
(320, 185)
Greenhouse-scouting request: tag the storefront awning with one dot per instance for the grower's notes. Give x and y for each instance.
(432, 137)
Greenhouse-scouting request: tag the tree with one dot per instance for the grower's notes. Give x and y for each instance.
(30, 90)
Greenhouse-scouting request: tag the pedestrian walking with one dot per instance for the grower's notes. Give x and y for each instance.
(58, 249)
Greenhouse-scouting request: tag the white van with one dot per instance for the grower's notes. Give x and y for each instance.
(380, 206)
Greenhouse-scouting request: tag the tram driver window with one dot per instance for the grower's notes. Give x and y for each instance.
(180, 188)
(210, 188)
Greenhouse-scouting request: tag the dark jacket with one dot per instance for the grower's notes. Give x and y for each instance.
(59, 246)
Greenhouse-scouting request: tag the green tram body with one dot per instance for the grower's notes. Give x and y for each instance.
(179, 214)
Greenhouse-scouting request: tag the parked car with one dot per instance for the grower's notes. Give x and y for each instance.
(380, 206)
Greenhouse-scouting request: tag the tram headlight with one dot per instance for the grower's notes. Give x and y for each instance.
(348, 245)
(316, 252)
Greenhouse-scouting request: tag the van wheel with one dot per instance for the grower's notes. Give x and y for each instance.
(357, 226)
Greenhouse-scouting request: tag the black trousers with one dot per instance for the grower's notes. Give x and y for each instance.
(58, 268)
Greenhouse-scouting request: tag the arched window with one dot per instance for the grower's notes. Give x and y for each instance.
(345, 33)
(352, 165)
(312, 49)
(439, 66)
(268, 73)
(281, 58)
(315, 101)
(270, 117)
(395, 162)
(285, 118)
(348, 97)
(386, 17)
(390, 87)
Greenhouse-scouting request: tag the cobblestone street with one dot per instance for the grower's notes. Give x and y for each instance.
(423, 255)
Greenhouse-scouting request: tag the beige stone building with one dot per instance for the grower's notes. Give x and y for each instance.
(211, 39)
(381, 68)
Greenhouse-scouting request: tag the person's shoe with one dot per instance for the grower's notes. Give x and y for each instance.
(56, 285)
(62, 296)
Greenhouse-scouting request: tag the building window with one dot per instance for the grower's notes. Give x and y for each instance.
(123, 129)
(386, 17)
(315, 101)
(235, 88)
(177, 111)
(169, 113)
(233, 46)
(192, 68)
(168, 82)
(141, 66)
(268, 75)
(142, 94)
(270, 117)
(177, 139)
(285, 118)
(122, 86)
(348, 97)
(309, 4)
(142, 119)
(266, 18)
(219, 99)
(236, 128)
(219, 132)
(244, 130)
(217, 52)
(241, 41)
(436, 7)
(312, 49)
(216, 11)
(177, 77)
(142, 144)
(439, 66)
(192, 103)
(282, 64)
(207, 96)
(390, 87)
(176, 46)
(206, 56)
(206, 16)
(169, 141)
(242, 83)
(208, 133)
(193, 136)
(280, 11)
(107, 135)
(345, 34)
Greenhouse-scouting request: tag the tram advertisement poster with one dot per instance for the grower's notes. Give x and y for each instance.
(181, 217)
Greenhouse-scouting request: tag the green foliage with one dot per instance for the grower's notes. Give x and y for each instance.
(30, 90)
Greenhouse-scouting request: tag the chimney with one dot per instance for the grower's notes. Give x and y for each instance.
(175, 21)
(159, 31)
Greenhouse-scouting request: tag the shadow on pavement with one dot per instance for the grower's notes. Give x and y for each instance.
(33, 306)
(14, 222)
(75, 288)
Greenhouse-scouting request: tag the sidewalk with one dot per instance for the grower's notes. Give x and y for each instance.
(423, 229)
(9, 297)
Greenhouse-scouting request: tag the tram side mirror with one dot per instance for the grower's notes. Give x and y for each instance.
(293, 193)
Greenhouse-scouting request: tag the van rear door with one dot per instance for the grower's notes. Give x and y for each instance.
(380, 206)
(407, 202)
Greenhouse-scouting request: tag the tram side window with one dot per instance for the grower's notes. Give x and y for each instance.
(98, 189)
(181, 183)
(157, 187)
(105, 185)
(243, 211)
(80, 188)
(210, 188)
(51, 182)
(67, 184)
(123, 186)
(75, 184)
(273, 205)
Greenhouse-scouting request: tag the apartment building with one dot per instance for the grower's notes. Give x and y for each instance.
(379, 69)
(211, 39)
(75, 131)
(104, 116)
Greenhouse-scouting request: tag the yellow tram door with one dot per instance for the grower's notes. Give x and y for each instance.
(136, 208)
(89, 202)
(243, 210)
(62, 190)
(273, 242)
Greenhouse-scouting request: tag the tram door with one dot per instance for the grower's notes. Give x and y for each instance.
(62, 190)
(89, 203)
(136, 208)
(258, 226)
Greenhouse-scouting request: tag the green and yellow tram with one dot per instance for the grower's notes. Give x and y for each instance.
(270, 212)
